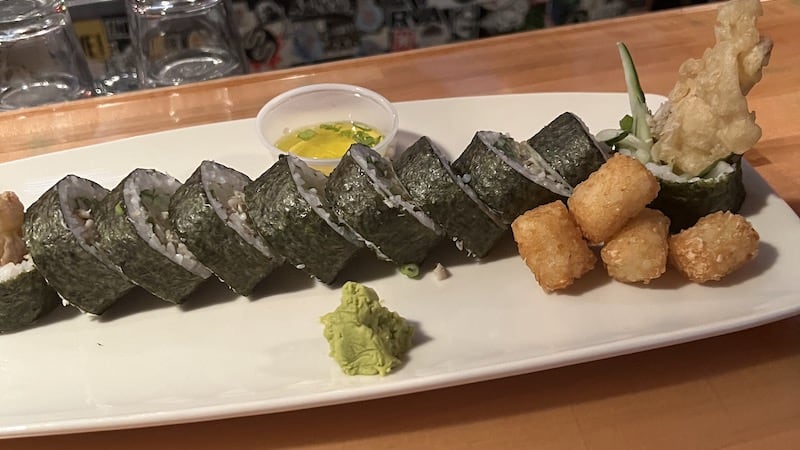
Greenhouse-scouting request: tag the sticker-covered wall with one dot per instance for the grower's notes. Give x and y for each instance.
(283, 33)
(279, 33)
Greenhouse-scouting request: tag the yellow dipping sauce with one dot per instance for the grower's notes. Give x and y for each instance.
(329, 140)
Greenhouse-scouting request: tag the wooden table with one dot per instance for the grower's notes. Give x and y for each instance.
(737, 391)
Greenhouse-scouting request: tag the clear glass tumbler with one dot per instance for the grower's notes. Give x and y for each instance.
(183, 41)
(41, 60)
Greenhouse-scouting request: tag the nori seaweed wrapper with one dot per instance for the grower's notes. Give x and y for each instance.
(282, 212)
(686, 202)
(129, 248)
(433, 186)
(24, 299)
(501, 173)
(569, 148)
(211, 237)
(79, 276)
(365, 193)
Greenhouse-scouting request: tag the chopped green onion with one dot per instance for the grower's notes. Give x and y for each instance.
(330, 126)
(147, 195)
(363, 138)
(626, 123)
(306, 134)
(409, 270)
(153, 201)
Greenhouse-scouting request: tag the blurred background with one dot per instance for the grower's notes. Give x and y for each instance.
(281, 33)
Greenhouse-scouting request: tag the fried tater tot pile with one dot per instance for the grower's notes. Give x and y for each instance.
(638, 252)
(616, 192)
(610, 208)
(715, 246)
(551, 245)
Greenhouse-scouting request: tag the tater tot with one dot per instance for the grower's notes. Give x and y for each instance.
(715, 246)
(552, 247)
(614, 193)
(638, 252)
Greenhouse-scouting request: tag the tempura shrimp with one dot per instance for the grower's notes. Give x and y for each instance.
(12, 214)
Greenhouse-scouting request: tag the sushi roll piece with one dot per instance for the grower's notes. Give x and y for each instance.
(365, 193)
(60, 231)
(569, 148)
(695, 140)
(208, 214)
(24, 295)
(288, 209)
(508, 176)
(135, 234)
(686, 199)
(425, 172)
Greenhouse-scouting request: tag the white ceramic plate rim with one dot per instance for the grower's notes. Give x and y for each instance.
(447, 356)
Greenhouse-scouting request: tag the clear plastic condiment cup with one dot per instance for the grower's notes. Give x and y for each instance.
(322, 103)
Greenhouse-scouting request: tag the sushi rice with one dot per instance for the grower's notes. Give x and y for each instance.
(287, 207)
(445, 196)
(508, 176)
(150, 220)
(365, 193)
(311, 186)
(60, 233)
(207, 213)
(225, 192)
(135, 234)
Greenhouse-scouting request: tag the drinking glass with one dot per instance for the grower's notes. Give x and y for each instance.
(183, 41)
(41, 60)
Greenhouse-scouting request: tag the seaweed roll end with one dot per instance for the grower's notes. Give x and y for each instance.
(24, 295)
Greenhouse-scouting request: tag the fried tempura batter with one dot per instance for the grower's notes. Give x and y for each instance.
(12, 214)
(552, 247)
(706, 117)
(638, 252)
(715, 246)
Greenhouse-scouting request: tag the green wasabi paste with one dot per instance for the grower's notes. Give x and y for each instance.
(364, 336)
